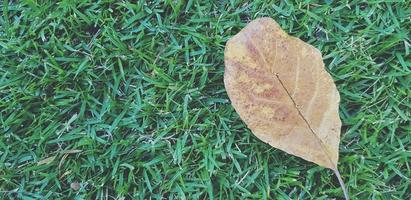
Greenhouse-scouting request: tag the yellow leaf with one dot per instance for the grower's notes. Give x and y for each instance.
(279, 87)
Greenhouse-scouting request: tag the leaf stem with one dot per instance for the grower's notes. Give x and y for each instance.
(337, 173)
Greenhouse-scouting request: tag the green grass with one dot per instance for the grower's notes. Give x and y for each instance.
(126, 100)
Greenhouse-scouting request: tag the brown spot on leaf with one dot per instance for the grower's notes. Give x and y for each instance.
(281, 114)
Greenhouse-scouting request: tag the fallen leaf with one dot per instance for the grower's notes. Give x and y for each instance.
(279, 87)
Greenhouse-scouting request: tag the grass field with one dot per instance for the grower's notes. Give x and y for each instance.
(119, 100)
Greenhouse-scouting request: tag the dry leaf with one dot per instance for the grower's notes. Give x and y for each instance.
(279, 87)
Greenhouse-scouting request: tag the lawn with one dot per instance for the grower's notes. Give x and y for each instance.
(123, 100)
